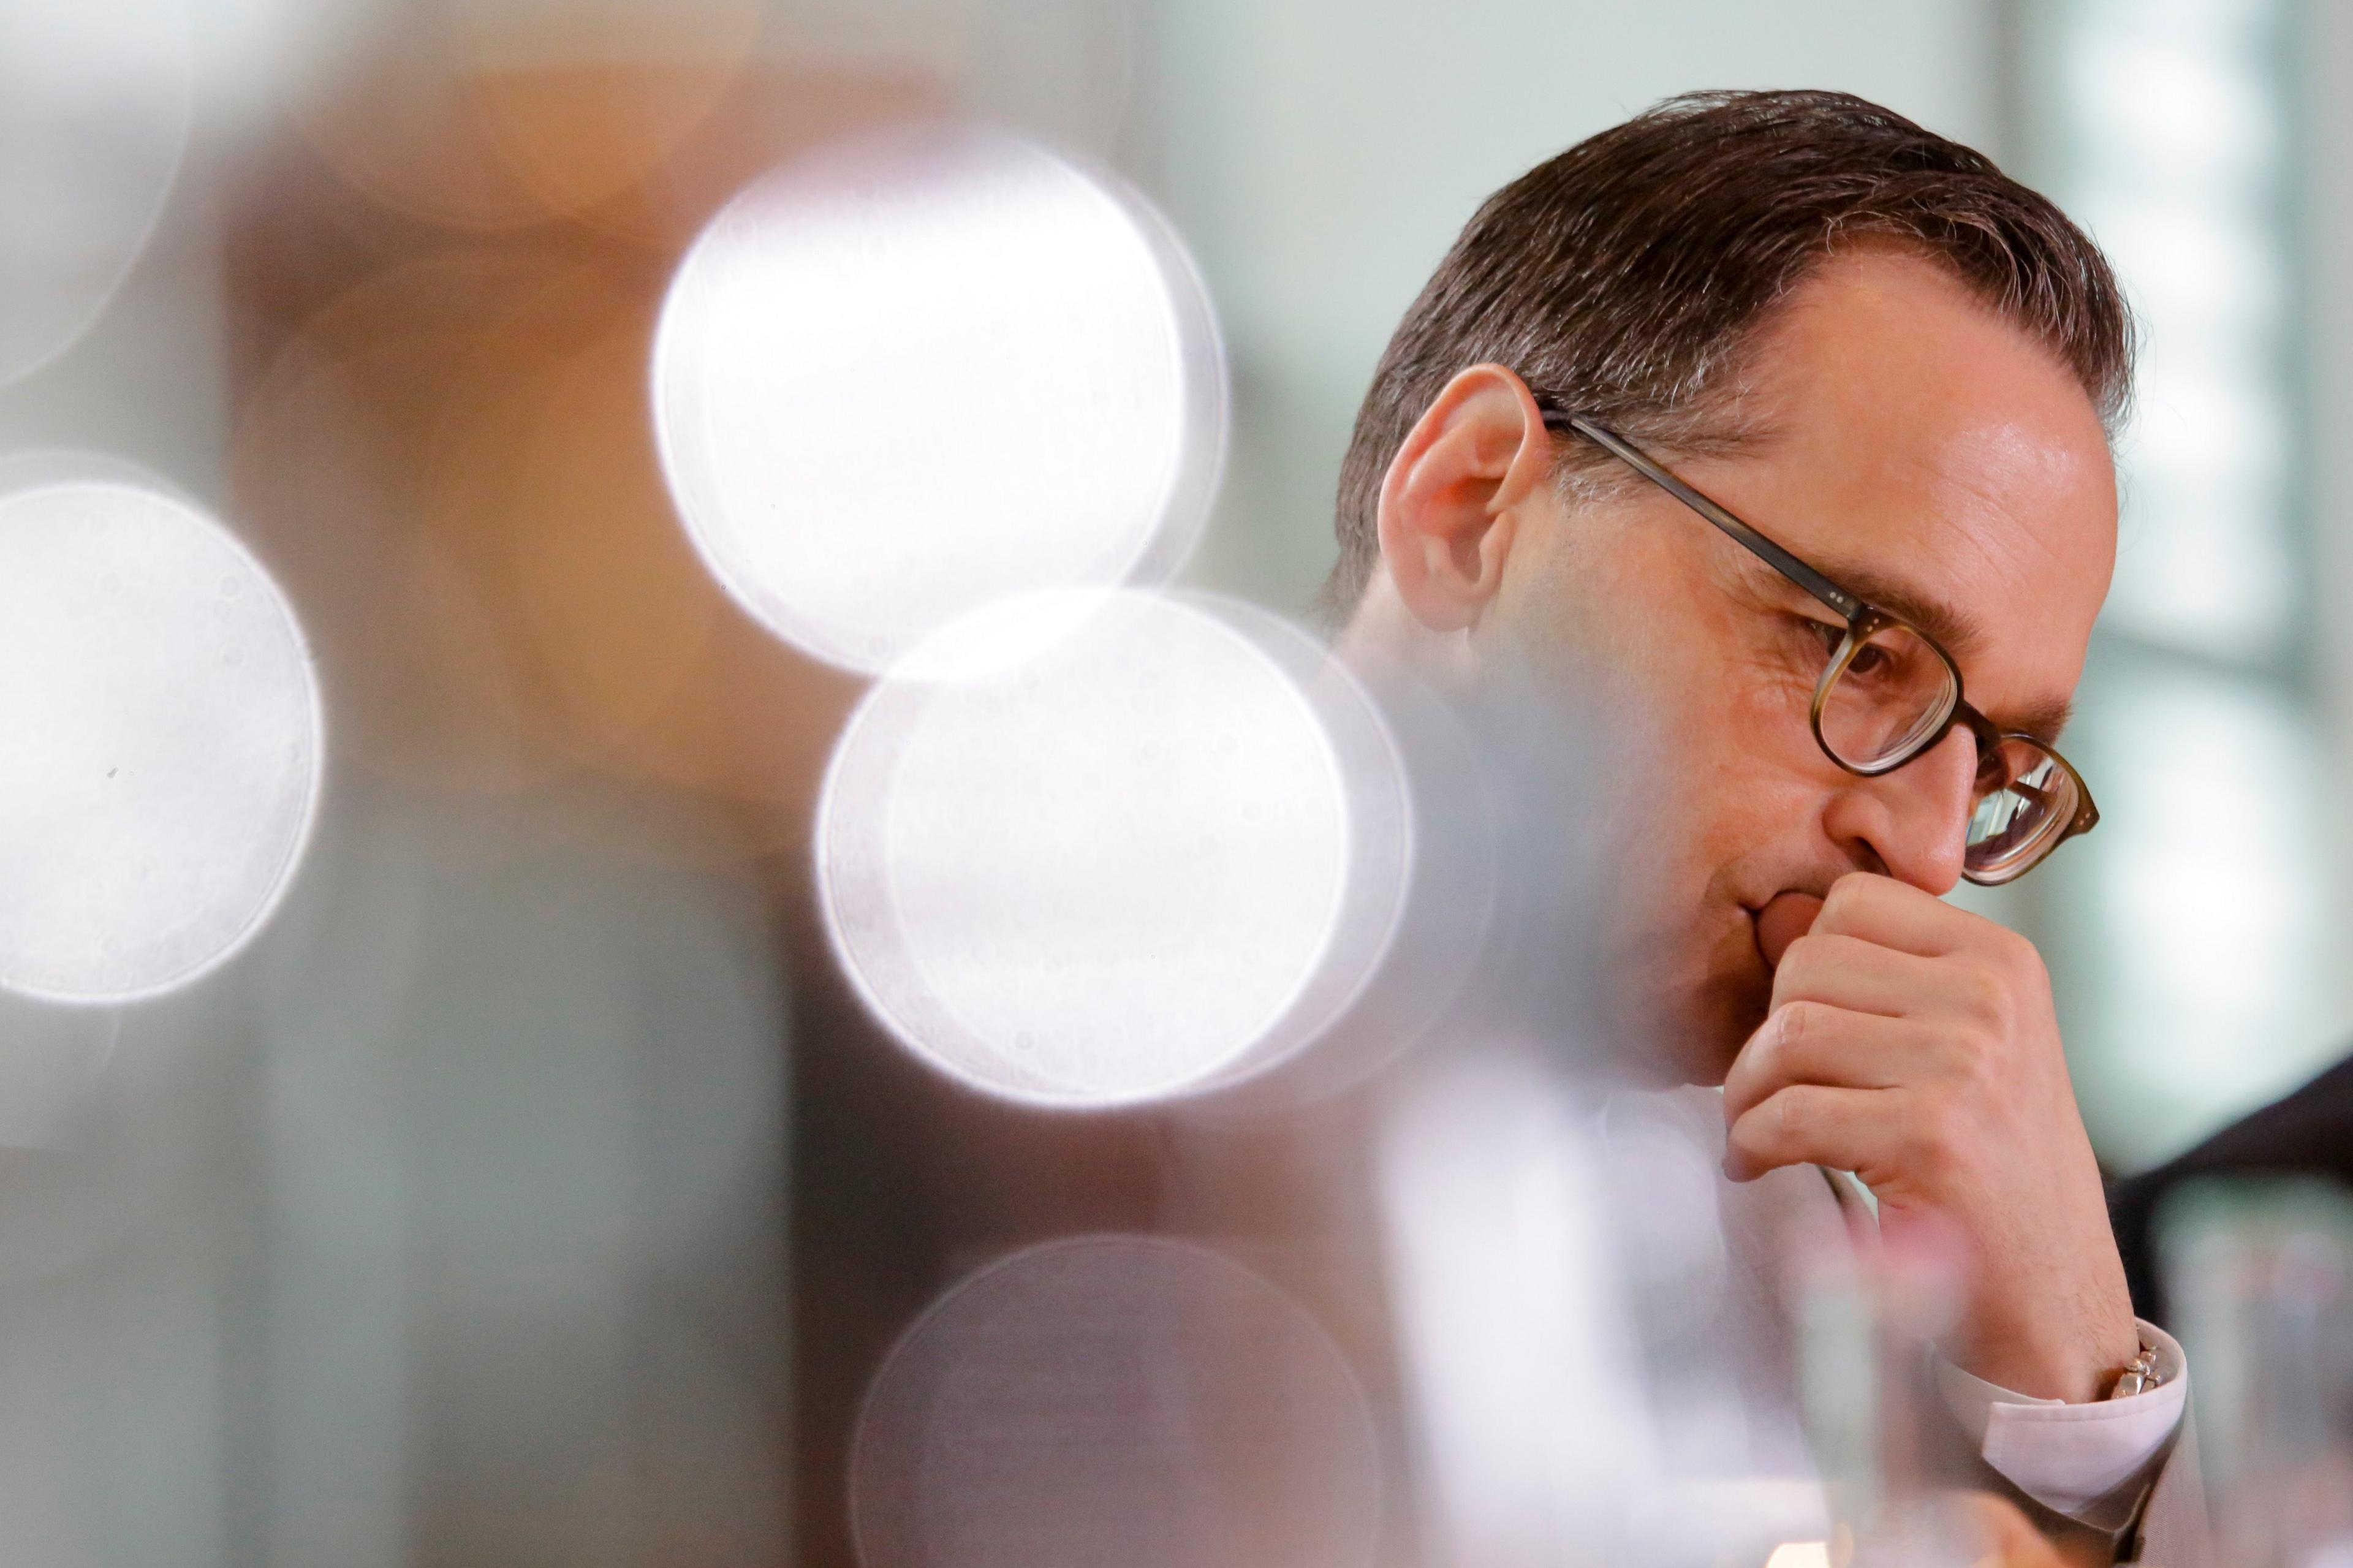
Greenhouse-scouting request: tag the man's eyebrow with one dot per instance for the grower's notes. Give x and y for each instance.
(2041, 723)
(1955, 629)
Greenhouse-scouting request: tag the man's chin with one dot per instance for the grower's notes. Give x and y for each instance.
(1699, 1032)
(1686, 1007)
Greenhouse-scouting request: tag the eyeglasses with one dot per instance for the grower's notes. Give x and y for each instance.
(1890, 693)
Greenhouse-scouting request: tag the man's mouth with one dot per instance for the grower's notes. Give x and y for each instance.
(1785, 917)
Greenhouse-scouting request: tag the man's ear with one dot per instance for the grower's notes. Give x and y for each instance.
(1455, 493)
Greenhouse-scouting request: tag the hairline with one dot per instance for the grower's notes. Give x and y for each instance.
(1689, 416)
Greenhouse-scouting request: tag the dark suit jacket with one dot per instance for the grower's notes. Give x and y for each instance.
(2309, 1132)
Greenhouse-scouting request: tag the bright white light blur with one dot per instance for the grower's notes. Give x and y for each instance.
(94, 107)
(163, 750)
(1801, 1554)
(2175, 151)
(2179, 84)
(1533, 1439)
(1657, 1166)
(2210, 880)
(1535, 1238)
(1119, 861)
(1116, 1400)
(2198, 934)
(916, 373)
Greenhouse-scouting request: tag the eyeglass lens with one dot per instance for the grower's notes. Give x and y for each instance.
(2025, 798)
(1889, 691)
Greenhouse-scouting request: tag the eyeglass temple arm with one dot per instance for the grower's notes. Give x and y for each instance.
(1772, 555)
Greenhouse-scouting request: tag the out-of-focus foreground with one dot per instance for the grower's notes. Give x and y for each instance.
(676, 886)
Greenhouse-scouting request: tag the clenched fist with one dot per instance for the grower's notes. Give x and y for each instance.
(1914, 1044)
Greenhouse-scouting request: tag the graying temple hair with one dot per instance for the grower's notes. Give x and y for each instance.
(1628, 277)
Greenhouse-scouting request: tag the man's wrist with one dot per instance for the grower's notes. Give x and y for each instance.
(2120, 1346)
(2083, 1371)
(2089, 1462)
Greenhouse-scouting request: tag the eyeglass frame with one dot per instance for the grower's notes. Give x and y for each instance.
(1863, 620)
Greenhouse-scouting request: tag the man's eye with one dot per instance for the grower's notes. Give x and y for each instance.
(1830, 633)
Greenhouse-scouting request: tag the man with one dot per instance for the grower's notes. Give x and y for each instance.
(1788, 422)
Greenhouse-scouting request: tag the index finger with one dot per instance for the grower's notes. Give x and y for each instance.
(1889, 913)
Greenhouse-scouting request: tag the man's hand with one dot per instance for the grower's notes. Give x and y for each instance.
(1914, 1044)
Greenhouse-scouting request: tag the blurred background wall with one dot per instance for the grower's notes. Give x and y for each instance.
(2199, 944)
(485, 1144)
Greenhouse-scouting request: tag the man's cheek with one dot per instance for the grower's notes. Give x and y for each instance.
(1688, 988)
(1716, 1019)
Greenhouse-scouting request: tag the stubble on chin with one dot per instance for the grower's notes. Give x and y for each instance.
(1690, 1026)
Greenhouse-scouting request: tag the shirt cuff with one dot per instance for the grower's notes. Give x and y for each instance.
(2071, 1457)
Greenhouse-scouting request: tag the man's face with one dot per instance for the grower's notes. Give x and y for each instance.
(1917, 449)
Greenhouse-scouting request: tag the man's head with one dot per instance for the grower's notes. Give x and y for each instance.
(1865, 341)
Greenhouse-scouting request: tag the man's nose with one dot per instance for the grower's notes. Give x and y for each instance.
(1912, 823)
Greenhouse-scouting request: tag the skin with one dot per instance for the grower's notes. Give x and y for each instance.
(1787, 936)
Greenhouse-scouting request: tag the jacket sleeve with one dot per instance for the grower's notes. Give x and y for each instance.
(2173, 1531)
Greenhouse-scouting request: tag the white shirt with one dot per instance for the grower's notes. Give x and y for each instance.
(2072, 1458)
(2086, 1463)
(1487, 1287)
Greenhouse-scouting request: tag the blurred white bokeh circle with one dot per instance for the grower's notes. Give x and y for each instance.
(928, 368)
(1116, 1400)
(162, 768)
(1140, 855)
(95, 102)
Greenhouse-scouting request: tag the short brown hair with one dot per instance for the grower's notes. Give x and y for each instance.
(1627, 275)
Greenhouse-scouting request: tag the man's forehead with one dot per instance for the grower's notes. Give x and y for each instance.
(1930, 457)
(1908, 373)
(1957, 630)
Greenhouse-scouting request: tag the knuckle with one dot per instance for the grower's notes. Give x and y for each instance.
(1975, 1075)
(1803, 1020)
(1793, 1114)
(2020, 956)
(1923, 1149)
(1796, 1018)
(1987, 995)
(1941, 1139)
(1971, 1047)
